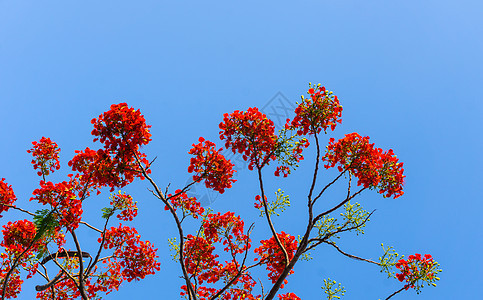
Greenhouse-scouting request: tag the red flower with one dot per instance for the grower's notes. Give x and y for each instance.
(373, 167)
(288, 296)
(271, 254)
(318, 112)
(250, 133)
(416, 268)
(123, 131)
(46, 156)
(63, 199)
(125, 203)
(18, 236)
(7, 196)
(188, 204)
(209, 164)
(202, 263)
(133, 259)
(14, 285)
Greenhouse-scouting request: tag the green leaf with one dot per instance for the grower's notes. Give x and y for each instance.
(45, 223)
(107, 212)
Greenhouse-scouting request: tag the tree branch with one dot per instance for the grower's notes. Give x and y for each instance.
(191, 292)
(269, 220)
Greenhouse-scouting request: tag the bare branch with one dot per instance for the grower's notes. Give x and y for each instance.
(269, 220)
(350, 255)
(338, 206)
(90, 226)
(18, 208)
(396, 292)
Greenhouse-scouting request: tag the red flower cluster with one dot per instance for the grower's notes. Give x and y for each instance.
(62, 198)
(125, 203)
(188, 204)
(209, 164)
(7, 196)
(199, 258)
(18, 236)
(97, 169)
(228, 227)
(289, 296)
(14, 285)
(271, 254)
(318, 112)
(201, 262)
(372, 166)
(123, 131)
(46, 156)
(133, 259)
(250, 133)
(416, 268)
(258, 201)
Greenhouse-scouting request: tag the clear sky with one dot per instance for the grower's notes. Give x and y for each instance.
(408, 74)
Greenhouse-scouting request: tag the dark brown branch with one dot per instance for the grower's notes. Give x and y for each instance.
(337, 206)
(51, 283)
(62, 254)
(94, 262)
(350, 255)
(18, 208)
(81, 266)
(269, 220)
(327, 186)
(396, 292)
(316, 169)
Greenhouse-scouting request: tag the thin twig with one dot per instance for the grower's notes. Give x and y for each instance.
(350, 255)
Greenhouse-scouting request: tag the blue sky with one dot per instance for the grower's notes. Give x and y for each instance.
(408, 74)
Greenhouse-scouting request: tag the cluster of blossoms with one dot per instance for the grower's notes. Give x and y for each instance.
(229, 227)
(189, 204)
(200, 259)
(46, 156)
(209, 164)
(417, 268)
(250, 133)
(126, 205)
(123, 131)
(372, 166)
(14, 285)
(17, 238)
(7, 196)
(258, 201)
(320, 111)
(271, 254)
(63, 200)
(132, 259)
(202, 263)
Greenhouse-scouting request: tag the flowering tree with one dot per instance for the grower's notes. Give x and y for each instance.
(38, 246)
